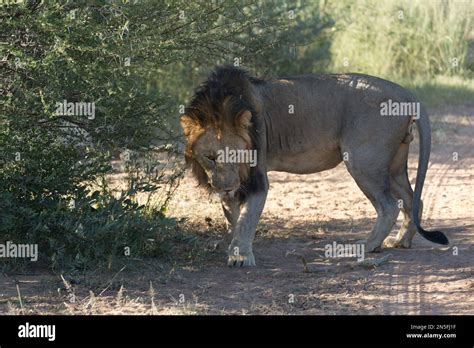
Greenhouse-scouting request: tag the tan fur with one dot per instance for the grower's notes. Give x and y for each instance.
(334, 118)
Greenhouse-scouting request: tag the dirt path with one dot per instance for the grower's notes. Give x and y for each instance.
(304, 213)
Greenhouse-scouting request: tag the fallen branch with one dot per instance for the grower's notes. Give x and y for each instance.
(366, 263)
(372, 263)
(301, 257)
(112, 280)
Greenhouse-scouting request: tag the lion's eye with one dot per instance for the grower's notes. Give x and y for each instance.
(211, 158)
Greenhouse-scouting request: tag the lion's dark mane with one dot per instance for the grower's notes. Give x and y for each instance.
(223, 96)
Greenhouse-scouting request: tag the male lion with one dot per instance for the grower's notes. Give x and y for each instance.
(307, 124)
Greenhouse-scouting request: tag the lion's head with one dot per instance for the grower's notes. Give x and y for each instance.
(220, 120)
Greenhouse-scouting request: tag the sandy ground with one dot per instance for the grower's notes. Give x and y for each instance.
(302, 214)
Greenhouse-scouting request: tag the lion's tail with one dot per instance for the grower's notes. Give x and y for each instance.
(424, 131)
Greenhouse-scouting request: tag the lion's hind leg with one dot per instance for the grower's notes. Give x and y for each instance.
(375, 184)
(402, 190)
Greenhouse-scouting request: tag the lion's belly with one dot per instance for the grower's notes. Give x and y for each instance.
(305, 162)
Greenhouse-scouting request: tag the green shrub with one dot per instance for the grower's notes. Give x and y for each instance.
(129, 60)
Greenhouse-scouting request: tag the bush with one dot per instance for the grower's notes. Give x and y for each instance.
(128, 62)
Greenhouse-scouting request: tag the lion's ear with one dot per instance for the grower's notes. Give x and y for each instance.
(243, 120)
(189, 125)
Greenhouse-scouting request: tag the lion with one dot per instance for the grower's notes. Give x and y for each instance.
(307, 124)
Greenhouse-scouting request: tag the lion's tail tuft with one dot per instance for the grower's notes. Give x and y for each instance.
(434, 236)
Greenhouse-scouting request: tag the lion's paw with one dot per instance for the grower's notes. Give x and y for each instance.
(247, 260)
(370, 246)
(393, 242)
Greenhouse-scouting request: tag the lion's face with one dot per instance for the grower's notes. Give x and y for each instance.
(208, 148)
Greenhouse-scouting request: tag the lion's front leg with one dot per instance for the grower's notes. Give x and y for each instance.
(240, 249)
(231, 208)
